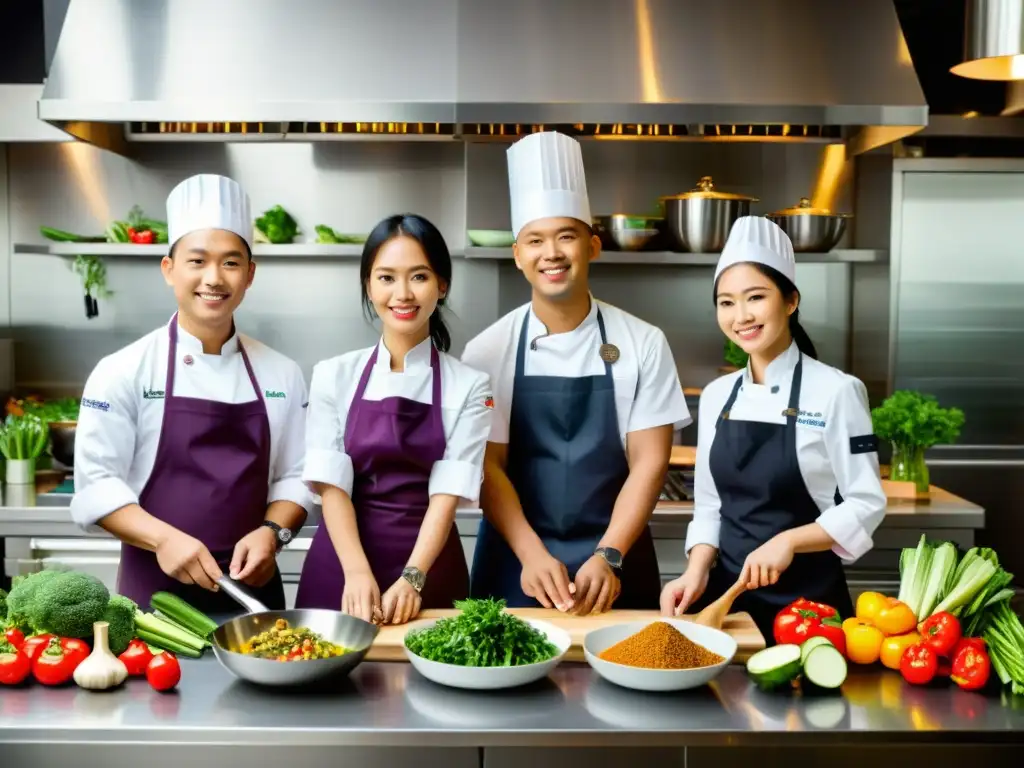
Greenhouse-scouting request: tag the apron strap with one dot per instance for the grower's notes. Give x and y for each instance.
(172, 349)
(521, 352)
(604, 340)
(729, 403)
(435, 401)
(248, 369)
(365, 376)
(793, 410)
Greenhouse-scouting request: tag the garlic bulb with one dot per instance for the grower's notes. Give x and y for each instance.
(102, 669)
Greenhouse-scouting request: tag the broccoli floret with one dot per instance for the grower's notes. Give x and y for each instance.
(3, 608)
(68, 605)
(23, 591)
(120, 615)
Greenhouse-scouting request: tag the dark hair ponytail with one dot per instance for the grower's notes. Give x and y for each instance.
(432, 241)
(803, 341)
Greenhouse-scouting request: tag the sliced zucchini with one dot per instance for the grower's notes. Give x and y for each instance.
(825, 667)
(774, 667)
(810, 644)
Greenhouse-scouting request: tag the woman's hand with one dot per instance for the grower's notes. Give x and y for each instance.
(680, 594)
(401, 603)
(765, 564)
(361, 597)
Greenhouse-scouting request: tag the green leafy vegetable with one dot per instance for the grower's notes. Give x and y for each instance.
(1004, 636)
(914, 419)
(482, 635)
(734, 354)
(23, 437)
(120, 614)
(59, 410)
(276, 225)
(325, 234)
(3, 608)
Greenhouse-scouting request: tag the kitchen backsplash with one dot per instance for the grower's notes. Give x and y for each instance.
(309, 308)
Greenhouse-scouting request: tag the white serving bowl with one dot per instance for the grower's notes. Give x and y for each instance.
(640, 679)
(491, 678)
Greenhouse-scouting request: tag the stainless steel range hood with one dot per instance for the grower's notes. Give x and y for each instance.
(307, 69)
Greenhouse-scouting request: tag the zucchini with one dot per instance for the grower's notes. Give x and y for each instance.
(173, 623)
(164, 644)
(160, 628)
(61, 236)
(825, 667)
(775, 667)
(183, 614)
(809, 645)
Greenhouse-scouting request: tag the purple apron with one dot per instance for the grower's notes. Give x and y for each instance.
(393, 444)
(209, 480)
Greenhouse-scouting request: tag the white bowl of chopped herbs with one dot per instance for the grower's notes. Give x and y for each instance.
(484, 647)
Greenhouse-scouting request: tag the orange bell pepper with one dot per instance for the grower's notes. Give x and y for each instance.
(863, 641)
(886, 613)
(894, 646)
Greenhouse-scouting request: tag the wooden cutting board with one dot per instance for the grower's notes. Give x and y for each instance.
(389, 645)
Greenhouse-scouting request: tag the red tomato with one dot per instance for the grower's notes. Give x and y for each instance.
(940, 632)
(971, 666)
(15, 637)
(163, 671)
(136, 658)
(14, 667)
(58, 661)
(919, 664)
(35, 645)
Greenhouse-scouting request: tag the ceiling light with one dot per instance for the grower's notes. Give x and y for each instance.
(993, 41)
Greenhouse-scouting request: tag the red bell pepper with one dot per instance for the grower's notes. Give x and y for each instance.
(136, 658)
(35, 645)
(804, 619)
(971, 666)
(141, 237)
(14, 636)
(14, 665)
(940, 632)
(919, 664)
(59, 660)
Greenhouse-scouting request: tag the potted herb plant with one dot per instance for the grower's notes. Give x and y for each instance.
(735, 357)
(22, 440)
(913, 422)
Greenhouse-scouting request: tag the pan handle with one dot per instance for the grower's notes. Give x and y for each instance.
(241, 596)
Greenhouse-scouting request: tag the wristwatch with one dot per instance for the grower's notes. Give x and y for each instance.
(611, 556)
(284, 535)
(414, 576)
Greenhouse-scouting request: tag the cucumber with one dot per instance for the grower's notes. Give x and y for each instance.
(809, 645)
(166, 644)
(825, 667)
(775, 667)
(183, 614)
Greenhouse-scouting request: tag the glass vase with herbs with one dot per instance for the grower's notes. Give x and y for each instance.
(22, 441)
(912, 422)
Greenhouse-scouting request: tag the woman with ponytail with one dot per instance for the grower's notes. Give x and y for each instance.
(395, 437)
(787, 484)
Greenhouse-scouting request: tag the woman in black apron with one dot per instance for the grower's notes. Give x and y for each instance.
(771, 532)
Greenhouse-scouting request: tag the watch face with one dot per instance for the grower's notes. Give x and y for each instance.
(285, 535)
(612, 556)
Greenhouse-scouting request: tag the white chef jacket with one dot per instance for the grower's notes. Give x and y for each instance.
(466, 406)
(647, 389)
(833, 425)
(123, 408)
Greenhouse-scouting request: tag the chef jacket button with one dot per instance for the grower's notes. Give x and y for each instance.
(188, 360)
(775, 389)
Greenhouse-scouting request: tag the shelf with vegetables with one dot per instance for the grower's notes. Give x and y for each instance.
(671, 258)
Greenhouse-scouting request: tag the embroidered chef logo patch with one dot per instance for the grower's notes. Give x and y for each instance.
(152, 394)
(489, 402)
(811, 419)
(274, 394)
(99, 405)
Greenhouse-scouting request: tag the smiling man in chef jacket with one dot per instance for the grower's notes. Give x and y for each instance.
(586, 399)
(190, 441)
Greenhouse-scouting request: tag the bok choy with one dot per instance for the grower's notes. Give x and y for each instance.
(932, 581)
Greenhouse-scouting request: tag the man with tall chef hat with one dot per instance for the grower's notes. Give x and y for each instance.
(586, 400)
(190, 440)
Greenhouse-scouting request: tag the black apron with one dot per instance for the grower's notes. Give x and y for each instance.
(763, 493)
(567, 464)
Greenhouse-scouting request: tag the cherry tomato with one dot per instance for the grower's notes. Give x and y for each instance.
(941, 632)
(136, 658)
(58, 661)
(14, 667)
(919, 664)
(15, 637)
(35, 645)
(163, 671)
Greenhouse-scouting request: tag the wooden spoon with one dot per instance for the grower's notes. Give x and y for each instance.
(714, 614)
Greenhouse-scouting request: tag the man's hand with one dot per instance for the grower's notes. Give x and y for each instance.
(597, 586)
(546, 580)
(401, 603)
(187, 559)
(361, 597)
(255, 557)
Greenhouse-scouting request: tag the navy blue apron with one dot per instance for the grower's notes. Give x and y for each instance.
(567, 464)
(763, 493)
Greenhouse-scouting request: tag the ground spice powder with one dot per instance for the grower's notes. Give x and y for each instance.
(660, 646)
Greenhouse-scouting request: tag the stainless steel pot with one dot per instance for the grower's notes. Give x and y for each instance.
(812, 230)
(699, 221)
(626, 232)
(333, 626)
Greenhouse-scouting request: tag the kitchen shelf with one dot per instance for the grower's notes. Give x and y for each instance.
(668, 258)
(260, 250)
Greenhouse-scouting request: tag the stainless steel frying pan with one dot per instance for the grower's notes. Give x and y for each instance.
(334, 626)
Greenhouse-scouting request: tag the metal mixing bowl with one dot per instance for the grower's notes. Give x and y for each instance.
(626, 232)
(812, 230)
(699, 221)
(62, 441)
(335, 627)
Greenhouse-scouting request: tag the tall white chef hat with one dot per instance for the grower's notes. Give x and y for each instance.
(208, 201)
(546, 179)
(756, 239)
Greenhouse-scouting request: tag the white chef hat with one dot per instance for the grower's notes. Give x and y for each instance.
(758, 240)
(546, 179)
(208, 201)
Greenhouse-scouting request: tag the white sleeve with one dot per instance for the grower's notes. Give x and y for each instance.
(326, 461)
(852, 451)
(707, 520)
(659, 396)
(460, 472)
(476, 356)
(104, 446)
(286, 474)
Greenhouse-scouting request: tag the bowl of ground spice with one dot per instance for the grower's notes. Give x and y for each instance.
(660, 655)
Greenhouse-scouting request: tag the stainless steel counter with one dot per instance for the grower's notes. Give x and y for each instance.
(387, 704)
